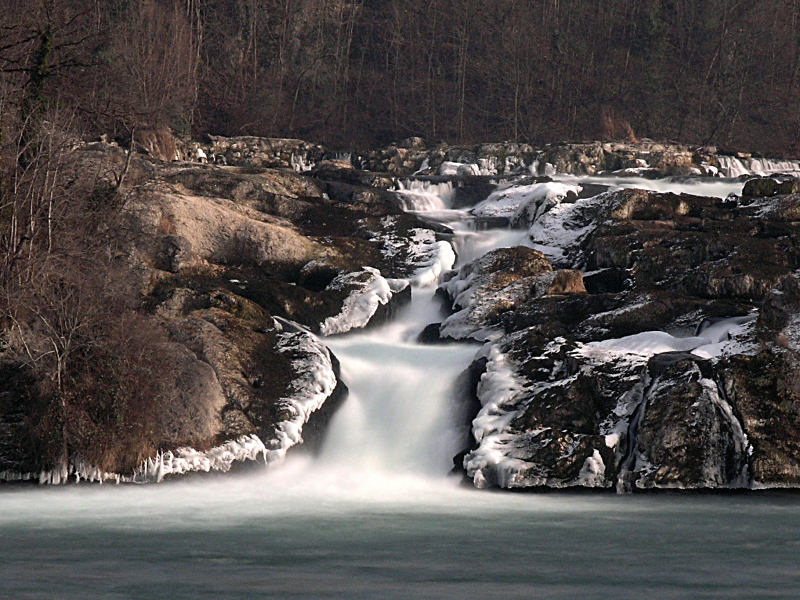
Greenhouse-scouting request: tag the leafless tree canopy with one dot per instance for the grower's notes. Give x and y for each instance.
(363, 72)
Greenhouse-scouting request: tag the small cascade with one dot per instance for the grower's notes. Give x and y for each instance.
(731, 166)
(341, 157)
(628, 461)
(301, 163)
(425, 195)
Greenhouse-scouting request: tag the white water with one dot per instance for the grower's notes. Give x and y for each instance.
(376, 516)
(400, 415)
(730, 166)
(715, 187)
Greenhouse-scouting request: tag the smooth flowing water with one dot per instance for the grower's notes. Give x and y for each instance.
(377, 515)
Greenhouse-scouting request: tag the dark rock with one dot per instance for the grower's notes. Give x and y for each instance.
(765, 390)
(684, 439)
(611, 280)
(760, 186)
(771, 186)
(177, 252)
(430, 335)
(780, 306)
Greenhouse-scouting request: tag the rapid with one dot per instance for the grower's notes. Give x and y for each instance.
(378, 512)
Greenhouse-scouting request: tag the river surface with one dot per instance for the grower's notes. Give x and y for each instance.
(376, 515)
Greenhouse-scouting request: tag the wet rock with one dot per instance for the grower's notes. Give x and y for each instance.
(764, 390)
(483, 290)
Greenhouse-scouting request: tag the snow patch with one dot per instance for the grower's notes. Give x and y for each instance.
(564, 226)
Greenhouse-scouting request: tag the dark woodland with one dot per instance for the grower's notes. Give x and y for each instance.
(358, 73)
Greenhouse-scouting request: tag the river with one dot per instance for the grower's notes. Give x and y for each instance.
(377, 514)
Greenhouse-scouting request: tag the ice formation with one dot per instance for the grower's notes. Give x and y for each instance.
(491, 460)
(526, 203)
(187, 460)
(369, 291)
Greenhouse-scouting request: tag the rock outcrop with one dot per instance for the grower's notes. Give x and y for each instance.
(667, 358)
(639, 339)
(246, 268)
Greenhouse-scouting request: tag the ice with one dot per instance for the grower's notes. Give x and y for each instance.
(739, 341)
(645, 344)
(593, 471)
(436, 258)
(300, 163)
(484, 166)
(557, 231)
(714, 187)
(371, 291)
(496, 391)
(187, 460)
(524, 204)
(742, 444)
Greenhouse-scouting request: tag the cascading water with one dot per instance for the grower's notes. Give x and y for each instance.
(404, 418)
(375, 516)
(401, 413)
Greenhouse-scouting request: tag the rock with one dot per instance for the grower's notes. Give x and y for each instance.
(567, 281)
(430, 334)
(685, 439)
(158, 142)
(780, 306)
(483, 290)
(618, 387)
(771, 186)
(176, 253)
(760, 186)
(219, 253)
(764, 390)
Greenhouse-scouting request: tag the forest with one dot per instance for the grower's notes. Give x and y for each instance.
(351, 74)
(358, 73)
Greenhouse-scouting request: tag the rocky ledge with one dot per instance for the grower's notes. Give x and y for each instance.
(247, 269)
(644, 340)
(414, 156)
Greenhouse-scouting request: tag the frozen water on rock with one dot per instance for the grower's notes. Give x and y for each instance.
(400, 416)
(371, 291)
(376, 516)
(525, 203)
(714, 187)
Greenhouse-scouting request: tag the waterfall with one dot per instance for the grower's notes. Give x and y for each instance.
(731, 166)
(425, 195)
